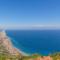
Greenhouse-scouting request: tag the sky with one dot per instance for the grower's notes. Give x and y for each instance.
(29, 14)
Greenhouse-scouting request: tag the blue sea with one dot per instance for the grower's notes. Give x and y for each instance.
(36, 41)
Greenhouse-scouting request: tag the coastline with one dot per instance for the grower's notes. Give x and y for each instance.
(13, 51)
(23, 53)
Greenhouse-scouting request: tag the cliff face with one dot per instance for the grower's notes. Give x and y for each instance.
(6, 45)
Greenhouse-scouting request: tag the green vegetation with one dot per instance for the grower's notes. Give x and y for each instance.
(55, 56)
(5, 55)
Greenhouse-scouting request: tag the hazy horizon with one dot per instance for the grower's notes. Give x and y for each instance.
(30, 14)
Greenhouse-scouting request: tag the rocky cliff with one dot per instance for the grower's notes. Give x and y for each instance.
(6, 45)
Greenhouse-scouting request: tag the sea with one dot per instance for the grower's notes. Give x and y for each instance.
(42, 42)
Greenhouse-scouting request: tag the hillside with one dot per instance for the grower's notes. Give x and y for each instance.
(6, 47)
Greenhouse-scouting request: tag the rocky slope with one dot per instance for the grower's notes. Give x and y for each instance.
(6, 45)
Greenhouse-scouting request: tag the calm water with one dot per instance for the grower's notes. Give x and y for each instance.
(36, 41)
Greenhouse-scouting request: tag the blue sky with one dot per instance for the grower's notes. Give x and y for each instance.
(26, 14)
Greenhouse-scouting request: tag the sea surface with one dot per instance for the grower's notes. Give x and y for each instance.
(36, 41)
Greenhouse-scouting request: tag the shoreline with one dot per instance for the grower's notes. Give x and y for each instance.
(26, 54)
(23, 53)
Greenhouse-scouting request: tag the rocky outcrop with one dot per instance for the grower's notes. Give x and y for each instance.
(6, 45)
